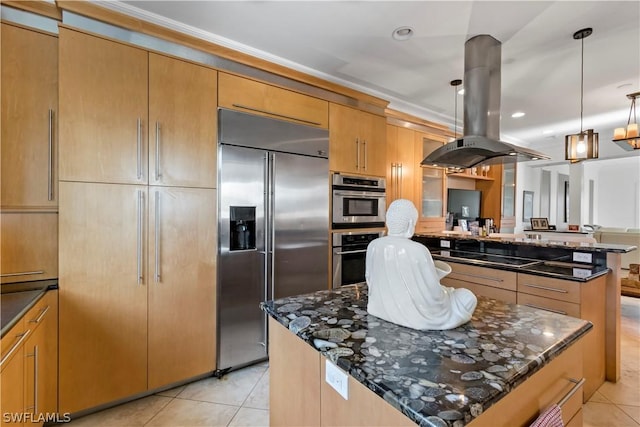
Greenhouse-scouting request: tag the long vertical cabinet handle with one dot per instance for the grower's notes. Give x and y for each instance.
(357, 153)
(392, 183)
(140, 235)
(158, 173)
(50, 165)
(34, 407)
(364, 143)
(400, 176)
(139, 147)
(157, 240)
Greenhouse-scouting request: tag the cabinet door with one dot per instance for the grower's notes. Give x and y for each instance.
(400, 164)
(12, 374)
(182, 123)
(103, 293)
(29, 109)
(29, 246)
(372, 137)
(344, 141)
(103, 110)
(182, 284)
(41, 358)
(430, 186)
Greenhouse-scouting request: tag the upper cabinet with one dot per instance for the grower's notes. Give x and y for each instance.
(103, 110)
(132, 117)
(357, 141)
(401, 164)
(182, 123)
(29, 114)
(250, 96)
(431, 185)
(498, 196)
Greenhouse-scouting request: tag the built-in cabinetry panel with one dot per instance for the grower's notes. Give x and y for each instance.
(243, 94)
(137, 262)
(357, 141)
(489, 282)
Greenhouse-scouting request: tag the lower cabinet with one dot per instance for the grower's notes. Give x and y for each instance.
(489, 282)
(137, 289)
(30, 366)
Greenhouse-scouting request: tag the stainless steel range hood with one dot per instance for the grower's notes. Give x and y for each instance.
(481, 141)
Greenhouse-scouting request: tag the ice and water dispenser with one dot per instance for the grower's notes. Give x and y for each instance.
(242, 225)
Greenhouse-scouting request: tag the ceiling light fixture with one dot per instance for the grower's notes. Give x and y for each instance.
(583, 145)
(454, 84)
(402, 33)
(517, 114)
(628, 138)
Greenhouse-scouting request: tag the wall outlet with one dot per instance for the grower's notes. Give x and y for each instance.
(445, 244)
(337, 379)
(582, 257)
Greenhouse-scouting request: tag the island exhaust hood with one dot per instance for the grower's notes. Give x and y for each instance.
(481, 141)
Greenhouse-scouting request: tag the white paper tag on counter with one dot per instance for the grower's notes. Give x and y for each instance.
(582, 257)
(445, 244)
(337, 379)
(581, 272)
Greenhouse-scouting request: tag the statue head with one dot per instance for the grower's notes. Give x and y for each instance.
(401, 220)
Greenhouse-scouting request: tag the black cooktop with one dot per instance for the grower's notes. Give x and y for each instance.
(487, 258)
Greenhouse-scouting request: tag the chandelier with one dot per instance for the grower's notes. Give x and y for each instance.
(628, 137)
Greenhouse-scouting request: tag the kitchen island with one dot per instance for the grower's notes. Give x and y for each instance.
(509, 360)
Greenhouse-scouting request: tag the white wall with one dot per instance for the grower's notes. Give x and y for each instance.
(616, 191)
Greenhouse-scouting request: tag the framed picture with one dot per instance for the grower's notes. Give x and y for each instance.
(463, 224)
(539, 224)
(527, 205)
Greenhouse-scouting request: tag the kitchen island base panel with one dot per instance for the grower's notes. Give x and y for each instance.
(612, 328)
(300, 396)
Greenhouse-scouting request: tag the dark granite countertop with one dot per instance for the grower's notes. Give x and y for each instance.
(432, 377)
(17, 298)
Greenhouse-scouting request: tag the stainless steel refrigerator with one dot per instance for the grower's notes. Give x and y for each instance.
(273, 225)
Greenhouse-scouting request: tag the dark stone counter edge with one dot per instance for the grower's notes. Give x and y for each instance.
(49, 285)
(530, 369)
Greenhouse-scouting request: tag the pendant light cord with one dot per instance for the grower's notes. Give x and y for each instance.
(581, 83)
(455, 114)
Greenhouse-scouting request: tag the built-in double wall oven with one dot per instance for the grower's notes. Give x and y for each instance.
(349, 256)
(358, 202)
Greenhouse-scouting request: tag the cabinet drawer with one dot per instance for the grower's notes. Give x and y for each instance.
(246, 95)
(560, 307)
(486, 291)
(12, 340)
(564, 290)
(483, 276)
(44, 308)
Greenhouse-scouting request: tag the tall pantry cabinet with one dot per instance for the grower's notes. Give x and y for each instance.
(137, 220)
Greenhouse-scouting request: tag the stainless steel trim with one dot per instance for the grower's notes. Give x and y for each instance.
(28, 19)
(400, 173)
(21, 337)
(157, 239)
(495, 279)
(50, 164)
(562, 291)
(350, 252)
(267, 216)
(546, 309)
(357, 153)
(26, 273)
(271, 209)
(359, 194)
(574, 389)
(364, 144)
(35, 379)
(40, 316)
(393, 180)
(271, 113)
(158, 174)
(139, 146)
(139, 248)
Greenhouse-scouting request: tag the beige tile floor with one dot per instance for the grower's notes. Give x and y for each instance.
(241, 398)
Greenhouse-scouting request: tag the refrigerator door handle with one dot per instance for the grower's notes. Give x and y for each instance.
(272, 227)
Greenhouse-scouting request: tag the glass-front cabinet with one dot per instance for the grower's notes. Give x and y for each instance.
(508, 213)
(431, 190)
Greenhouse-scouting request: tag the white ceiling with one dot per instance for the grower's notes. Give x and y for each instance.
(350, 43)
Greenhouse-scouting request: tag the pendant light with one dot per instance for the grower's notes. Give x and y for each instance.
(583, 145)
(628, 138)
(455, 83)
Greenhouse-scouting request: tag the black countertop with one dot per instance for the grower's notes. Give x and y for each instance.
(432, 377)
(17, 298)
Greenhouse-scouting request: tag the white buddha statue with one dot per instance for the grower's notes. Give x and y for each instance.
(404, 281)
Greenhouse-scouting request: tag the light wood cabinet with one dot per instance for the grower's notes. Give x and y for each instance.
(29, 246)
(357, 141)
(401, 164)
(12, 374)
(182, 283)
(103, 110)
(29, 368)
(577, 299)
(29, 73)
(488, 282)
(242, 94)
(431, 185)
(41, 360)
(103, 293)
(182, 123)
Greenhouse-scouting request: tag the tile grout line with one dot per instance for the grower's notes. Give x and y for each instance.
(171, 399)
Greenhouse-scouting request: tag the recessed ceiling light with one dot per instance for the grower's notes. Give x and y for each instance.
(547, 132)
(517, 114)
(402, 33)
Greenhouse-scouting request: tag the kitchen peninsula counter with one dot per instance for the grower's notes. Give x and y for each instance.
(17, 298)
(440, 378)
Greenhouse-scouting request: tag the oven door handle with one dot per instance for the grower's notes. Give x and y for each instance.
(362, 195)
(359, 251)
